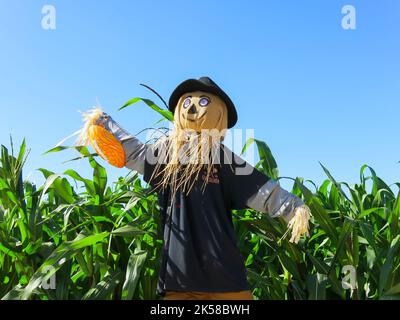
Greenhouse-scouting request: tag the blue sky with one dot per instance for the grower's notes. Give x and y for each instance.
(312, 90)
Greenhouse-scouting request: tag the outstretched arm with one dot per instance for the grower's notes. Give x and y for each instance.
(112, 142)
(278, 202)
(275, 201)
(250, 188)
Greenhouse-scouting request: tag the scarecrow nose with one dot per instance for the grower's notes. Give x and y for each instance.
(192, 109)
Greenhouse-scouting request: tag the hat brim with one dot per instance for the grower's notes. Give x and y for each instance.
(191, 85)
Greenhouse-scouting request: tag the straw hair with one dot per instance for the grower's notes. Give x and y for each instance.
(190, 149)
(186, 154)
(298, 225)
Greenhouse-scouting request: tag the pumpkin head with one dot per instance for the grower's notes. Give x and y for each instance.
(199, 111)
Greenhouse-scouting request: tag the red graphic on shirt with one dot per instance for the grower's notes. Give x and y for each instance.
(212, 177)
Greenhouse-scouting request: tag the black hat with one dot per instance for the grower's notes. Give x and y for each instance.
(207, 85)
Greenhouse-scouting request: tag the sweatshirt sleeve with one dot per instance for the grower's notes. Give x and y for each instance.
(275, 201)
(250, 188)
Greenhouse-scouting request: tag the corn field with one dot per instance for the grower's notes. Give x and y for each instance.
(104, 241)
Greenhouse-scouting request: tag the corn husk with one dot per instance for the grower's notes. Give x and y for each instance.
(89, 119)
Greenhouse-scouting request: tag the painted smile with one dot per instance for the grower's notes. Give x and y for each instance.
(194, 120)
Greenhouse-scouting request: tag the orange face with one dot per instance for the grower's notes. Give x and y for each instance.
(201, 110)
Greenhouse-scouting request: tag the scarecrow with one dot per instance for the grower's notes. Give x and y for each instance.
(198, 181)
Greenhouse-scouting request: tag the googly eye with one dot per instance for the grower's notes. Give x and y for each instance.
(204, 102)
(186, 102)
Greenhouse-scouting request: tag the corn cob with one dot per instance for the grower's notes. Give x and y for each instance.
(104, 142)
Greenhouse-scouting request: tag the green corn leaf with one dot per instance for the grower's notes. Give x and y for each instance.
(393, 290)
(61, 186)
(267, 160)
(395, 217)
(337, 185)
(88, 183)
(165, 113)
(386, 271)
(128, 230)
(135, 265)
(340, 245)
(325, 269)
(289, 264)
(319, 212)
(58, 258)
(105, 288)
(316, 286)
(56, 149)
